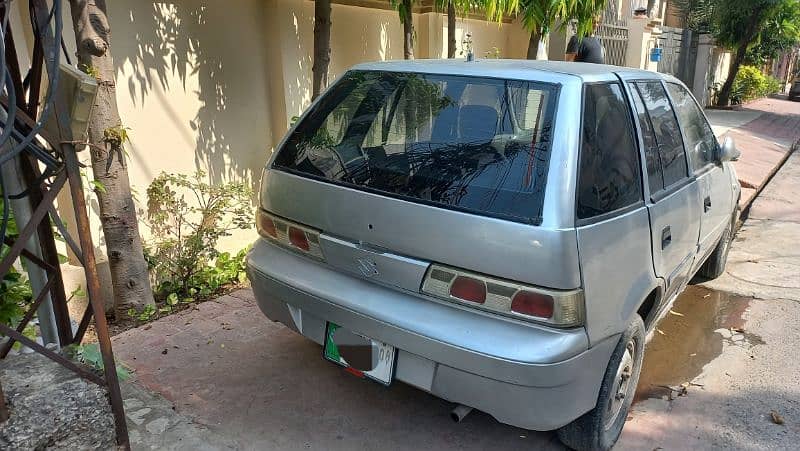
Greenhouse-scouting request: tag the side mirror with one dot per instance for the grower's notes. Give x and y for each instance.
(728, 150)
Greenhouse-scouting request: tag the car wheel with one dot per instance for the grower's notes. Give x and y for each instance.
(600, 428)
(715, 264)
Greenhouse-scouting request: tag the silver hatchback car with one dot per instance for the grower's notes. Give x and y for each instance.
(501, 234)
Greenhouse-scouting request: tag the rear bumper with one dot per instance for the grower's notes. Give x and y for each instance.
(522, 374)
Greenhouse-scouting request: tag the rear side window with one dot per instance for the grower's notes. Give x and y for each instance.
(701, 144)
(655, 177)
(666, 131)
(475, 144)
(609, 172)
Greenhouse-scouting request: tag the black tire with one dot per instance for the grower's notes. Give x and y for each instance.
(600, 428)
(714, 266)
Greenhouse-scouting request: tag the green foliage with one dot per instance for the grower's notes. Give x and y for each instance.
(15, 293)
(751, 84)
(541, 15)
(780, 33)
(15, 289)
(89, 70)
(737, 22)
(404, 8)
(116, 136)
(182, 254)
(90, 355)
(697, 14)
(462, 7)
(584, 12)
(765, 26)
(146, 314)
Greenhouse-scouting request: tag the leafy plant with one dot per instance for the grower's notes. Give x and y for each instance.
(15, 293)
(183, 258)
(115, 136)
(90, 355)
(89, 70)
(147, 313)
(750, 83)
(15, 289)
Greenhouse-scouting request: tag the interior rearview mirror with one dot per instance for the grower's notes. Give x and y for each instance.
(728, 150)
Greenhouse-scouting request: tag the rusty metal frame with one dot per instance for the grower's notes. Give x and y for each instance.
(41, 195)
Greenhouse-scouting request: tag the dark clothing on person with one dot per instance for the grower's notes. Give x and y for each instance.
(588, 50)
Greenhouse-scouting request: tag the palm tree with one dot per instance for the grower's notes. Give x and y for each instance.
(322, 46)
(404, 9)
(539, 17)
(584, 12)
(453, 7)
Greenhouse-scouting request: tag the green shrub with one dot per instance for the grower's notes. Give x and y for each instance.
(15, 289)
(750, 83)
(182, 255)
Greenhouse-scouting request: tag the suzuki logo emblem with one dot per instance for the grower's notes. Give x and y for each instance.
(367, 267)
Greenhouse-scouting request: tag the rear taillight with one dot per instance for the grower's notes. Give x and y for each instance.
(556, 307)
(468, 289)
(533, 304)
(289, 234)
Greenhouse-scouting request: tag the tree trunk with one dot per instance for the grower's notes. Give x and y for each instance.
(724, 96)
(322, 46)
(129, 273)
(533, 44)
(738, 59)
(408, 30)
(451, 30)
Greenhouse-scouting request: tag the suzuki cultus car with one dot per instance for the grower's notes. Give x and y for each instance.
(502, 234)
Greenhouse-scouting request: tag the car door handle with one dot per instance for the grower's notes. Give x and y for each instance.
(706, 204)
(666, 237)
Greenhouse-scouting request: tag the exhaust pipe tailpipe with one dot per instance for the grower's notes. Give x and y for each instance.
(460, 412)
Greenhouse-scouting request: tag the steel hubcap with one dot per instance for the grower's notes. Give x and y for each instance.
(621, 388)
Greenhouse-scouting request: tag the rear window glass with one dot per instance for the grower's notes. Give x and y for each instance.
(475, 144)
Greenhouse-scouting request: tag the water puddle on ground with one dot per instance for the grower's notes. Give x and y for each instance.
(686, 339)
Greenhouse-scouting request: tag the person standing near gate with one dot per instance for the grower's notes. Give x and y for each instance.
(589, 49)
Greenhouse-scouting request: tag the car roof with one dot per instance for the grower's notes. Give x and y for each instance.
(512, 69)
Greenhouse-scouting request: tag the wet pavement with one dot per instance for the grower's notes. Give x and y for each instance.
(690, 336)
(744, 329)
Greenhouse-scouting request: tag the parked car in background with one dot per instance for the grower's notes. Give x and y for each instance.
(502, 234)
(794, 91)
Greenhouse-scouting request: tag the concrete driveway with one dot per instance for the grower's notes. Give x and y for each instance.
(260, 386)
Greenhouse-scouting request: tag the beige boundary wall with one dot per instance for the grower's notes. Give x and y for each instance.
(213, 85)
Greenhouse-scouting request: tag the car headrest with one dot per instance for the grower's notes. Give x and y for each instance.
(477, 123)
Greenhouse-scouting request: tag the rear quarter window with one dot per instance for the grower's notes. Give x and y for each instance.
(476, 144)
(609, 175)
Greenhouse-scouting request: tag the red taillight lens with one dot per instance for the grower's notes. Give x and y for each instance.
(562, 308)
(298, 239)
(468, 289)
(267, 225)
(534, 304)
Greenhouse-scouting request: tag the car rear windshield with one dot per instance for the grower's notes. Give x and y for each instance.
(480, 145)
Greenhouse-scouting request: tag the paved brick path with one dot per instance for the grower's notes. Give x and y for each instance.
(764, 141)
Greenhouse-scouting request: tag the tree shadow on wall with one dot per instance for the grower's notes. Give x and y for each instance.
(169, 55)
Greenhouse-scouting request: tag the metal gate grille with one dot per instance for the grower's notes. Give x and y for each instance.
(613, 33)
(678, 54)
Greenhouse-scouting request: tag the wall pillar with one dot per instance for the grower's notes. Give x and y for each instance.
(703, 70)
